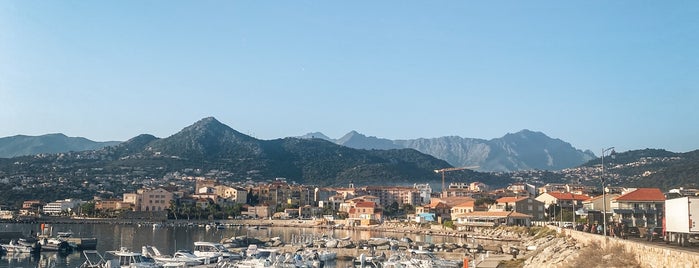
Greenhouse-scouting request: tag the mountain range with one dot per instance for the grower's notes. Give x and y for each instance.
(50, 143)
(524, 150)
(211, 149)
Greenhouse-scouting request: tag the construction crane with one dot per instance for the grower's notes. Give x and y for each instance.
(444, 170)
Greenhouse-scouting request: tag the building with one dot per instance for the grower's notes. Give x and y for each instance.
(442, 207)
(459, 189)
(564, 200)
(6, 214)
(477, 186)
(31, 207)
(232, 194)
(524, 205)
(262, 212)
(63, 206)
(642, 207)
(365, 213)
(492, 218)
(463, 208)
(522, 189)
(112, 205)
(389, 194)
(204, 183)
(593, 207)
(155, 200)
(425, 191)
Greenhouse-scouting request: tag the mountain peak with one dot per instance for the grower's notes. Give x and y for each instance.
(208, 121)
(316, 135)
(207, 138)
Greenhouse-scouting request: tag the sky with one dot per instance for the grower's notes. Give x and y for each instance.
(595, 74)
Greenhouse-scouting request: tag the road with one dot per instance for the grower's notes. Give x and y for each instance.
(661, 243)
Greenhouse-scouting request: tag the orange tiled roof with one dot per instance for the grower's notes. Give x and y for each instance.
(643, 194)
(466, 204)
(494, 214)
(568, 196)
(510, 199)
(365, 205)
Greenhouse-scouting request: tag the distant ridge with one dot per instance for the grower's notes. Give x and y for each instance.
(524, 150)
(50, 143)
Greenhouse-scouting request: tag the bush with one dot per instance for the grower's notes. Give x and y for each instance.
(595, 255)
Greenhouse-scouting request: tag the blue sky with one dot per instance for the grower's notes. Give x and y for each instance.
(593, 73)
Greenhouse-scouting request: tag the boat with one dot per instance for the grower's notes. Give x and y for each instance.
(180, 258)
(323, 255)
(411, 259)
(127, 258)
(214, 250)
(56, 244)
(68, 233)
(264, 257)
(21, 246)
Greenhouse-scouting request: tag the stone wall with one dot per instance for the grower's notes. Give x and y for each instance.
(648, 255)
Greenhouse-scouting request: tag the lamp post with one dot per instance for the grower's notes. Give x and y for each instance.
(573, 197)
(604, 193)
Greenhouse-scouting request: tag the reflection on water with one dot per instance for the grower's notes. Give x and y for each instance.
(170, 239)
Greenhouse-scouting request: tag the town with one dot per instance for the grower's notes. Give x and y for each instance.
(460, 205)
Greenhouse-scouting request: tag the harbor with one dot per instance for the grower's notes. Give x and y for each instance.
(170, 237)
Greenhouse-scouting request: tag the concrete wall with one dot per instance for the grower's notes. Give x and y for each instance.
(648, 255)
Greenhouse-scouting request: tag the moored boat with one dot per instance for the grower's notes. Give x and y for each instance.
(127, 258)
(214, 250)
(21, 246)
(180, 258)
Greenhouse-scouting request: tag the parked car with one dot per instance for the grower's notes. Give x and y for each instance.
(633, 232)
(654, 233)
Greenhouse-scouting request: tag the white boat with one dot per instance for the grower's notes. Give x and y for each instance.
(180, 258)
(415, 259)
(264, 257)
(65, 234)
(214, 250)
(56, 244)
(117, 258)
(323, 255)
(21, 246)
(127, 258)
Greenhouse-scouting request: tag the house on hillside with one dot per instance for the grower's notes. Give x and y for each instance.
(642, 207)
(364, 214)
(524, 205)
(441, 208)
(593, 207)
(566, 201)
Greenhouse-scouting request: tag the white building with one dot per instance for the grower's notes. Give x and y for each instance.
(66, 205)
(425, 192)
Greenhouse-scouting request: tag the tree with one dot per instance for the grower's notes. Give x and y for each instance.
(449, 224)
(252, 199)
(484, 201)
(88, 209)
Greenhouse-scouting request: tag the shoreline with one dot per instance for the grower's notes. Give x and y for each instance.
(388, 227)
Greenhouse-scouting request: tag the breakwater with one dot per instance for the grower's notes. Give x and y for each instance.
(648, 255)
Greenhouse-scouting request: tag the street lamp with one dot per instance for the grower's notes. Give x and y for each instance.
(604, 193)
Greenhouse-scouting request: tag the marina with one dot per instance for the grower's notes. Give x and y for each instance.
(172, 238)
